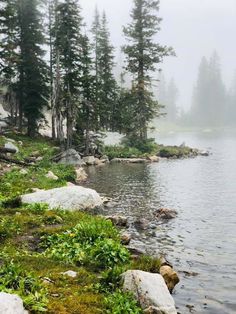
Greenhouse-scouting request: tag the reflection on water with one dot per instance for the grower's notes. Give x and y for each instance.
(202, 239)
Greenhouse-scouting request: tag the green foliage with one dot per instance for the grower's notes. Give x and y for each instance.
(8, 228)
(111, 278)
(121, 152)
(17, 281)
(94, 243)
(144, 146)
(147, 263)
(175, 151)
(122, 303)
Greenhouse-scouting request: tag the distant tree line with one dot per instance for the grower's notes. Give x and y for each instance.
(49, 61)
(213, 105)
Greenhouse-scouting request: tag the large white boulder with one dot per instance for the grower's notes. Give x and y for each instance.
(11, 304)
(70, 198)
(150, 290)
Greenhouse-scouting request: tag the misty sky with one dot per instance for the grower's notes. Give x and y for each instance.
(192, 27)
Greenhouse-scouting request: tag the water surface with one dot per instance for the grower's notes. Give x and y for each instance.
(202, 239)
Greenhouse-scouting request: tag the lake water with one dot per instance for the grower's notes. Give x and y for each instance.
(202, 239)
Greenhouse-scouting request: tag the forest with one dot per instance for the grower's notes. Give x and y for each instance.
(51, 61)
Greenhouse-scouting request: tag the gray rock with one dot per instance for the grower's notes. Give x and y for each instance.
(129, 160)
(69, 198)
(89, 160)
(10, 145)
(150, 291)
(81, 175)
(70, 273)
(119, 221)
(70, 157)
(52, 176)
(11, 304)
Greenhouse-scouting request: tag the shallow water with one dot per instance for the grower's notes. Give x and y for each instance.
(202, 239)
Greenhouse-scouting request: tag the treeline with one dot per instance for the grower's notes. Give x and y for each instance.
(50, 60)
(213, 104)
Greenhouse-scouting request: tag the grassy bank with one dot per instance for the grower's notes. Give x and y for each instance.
(38, 245)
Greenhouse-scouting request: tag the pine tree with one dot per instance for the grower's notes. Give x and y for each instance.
(107, 86)
(86, 119)
(171, 99)
(32, 86)
(142, 56)
(68, 47)
(209, 95)
(8, 53)
(96, 48)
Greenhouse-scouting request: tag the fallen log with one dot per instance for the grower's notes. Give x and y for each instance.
(7, 150)
(13, 161)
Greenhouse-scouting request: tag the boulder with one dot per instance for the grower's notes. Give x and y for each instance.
(165, 213)
(170, 276)
(104, 159)
(11, 304)
(69, 198)
(89, 160)
(70, 157)
(153, 158)
(150, 291)
(52, 176)
(81, 175)
(10, 145)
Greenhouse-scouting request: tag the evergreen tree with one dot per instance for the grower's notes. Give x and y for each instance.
(107, 84)
(171, 99)
(8, 52)
(209, 96)
(86, 115)
(68, 47)
(32, 86)
(96, 48)
(142, 56)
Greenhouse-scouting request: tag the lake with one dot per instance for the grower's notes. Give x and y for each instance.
(201, 241)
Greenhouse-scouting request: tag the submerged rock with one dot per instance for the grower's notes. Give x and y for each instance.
(70, 198)
(165, 213)
(141, 224)
(119, 221)
(125, 238)
(11, 304)
(150, 291)
(170, 276)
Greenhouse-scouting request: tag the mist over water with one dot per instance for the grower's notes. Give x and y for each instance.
(201, 240)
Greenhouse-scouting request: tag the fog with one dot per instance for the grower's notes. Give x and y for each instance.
(193, 28)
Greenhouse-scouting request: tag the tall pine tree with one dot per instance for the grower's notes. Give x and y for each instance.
(142, 55)
(68, 47)
(32, 86)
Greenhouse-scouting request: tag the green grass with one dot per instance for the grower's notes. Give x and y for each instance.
(37, 244)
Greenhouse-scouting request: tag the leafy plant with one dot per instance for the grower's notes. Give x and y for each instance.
(122, 303)
(14, 280)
